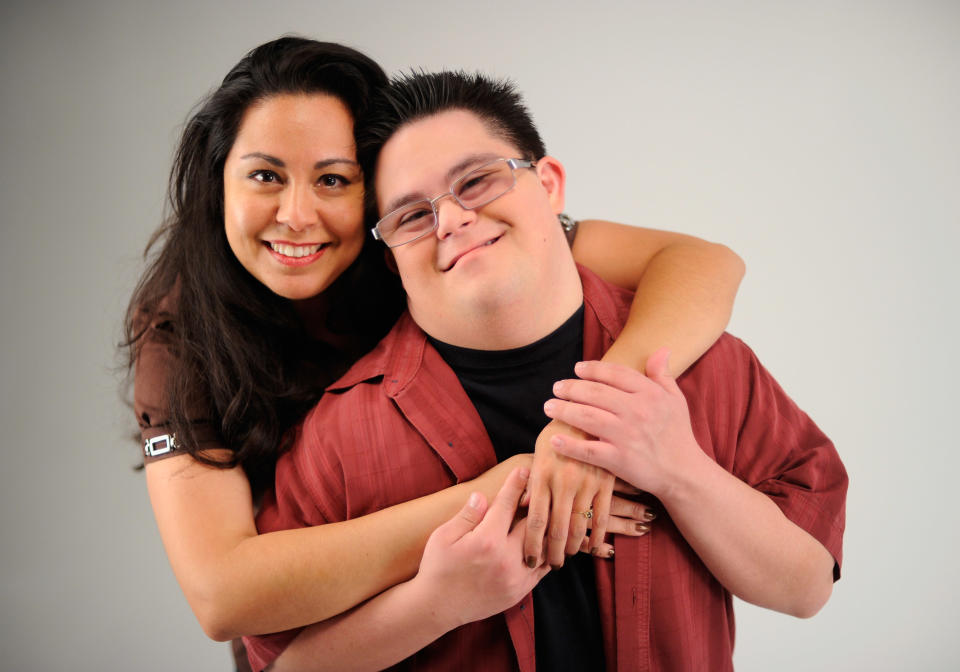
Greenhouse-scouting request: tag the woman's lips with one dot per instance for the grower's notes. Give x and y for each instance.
(295, 255)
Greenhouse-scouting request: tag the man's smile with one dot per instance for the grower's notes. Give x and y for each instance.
(447, 265)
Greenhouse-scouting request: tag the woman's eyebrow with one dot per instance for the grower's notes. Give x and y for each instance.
(266, 157)
(272, 160)
(329, 162)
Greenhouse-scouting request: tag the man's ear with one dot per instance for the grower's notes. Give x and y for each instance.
(553, 177)
(391, 262)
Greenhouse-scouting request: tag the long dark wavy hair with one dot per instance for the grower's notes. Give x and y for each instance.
(241, 351)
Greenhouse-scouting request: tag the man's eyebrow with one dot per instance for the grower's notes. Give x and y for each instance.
(455, 171)
(272, 160)
(469, 162)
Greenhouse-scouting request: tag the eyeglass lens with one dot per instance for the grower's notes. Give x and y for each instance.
(475, 189)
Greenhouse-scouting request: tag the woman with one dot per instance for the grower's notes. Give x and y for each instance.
(234, 332)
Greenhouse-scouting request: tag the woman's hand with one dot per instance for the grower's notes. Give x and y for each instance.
(641, 423)
(561, 492)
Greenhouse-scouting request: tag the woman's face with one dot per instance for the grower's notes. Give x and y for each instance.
(293, 193)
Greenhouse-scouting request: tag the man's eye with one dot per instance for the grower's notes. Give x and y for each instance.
(414, 217)
(266, 176)
(474, 185)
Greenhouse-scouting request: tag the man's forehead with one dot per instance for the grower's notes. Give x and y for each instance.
(429, 153)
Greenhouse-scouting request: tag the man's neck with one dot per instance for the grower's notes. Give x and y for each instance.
(504, 325)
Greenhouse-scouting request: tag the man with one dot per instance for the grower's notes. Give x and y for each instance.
(750, 493)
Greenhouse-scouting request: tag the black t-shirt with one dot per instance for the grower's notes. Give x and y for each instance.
(508, 389)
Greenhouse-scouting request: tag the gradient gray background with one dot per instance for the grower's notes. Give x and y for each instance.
(819, 140)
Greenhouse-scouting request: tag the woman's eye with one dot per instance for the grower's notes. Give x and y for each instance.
(331, 181)
(266, 176)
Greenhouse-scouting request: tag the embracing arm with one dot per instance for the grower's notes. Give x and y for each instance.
(471, 570)
(685, 288)
(229, 573)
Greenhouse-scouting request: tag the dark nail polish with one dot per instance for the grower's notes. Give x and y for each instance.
(642, 529)
(531, 562)
(649, 515)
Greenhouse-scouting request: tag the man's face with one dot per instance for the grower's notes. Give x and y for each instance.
(476, 261)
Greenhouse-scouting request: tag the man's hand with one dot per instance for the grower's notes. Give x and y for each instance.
(472, 563)
(561, 492)
(641, 422)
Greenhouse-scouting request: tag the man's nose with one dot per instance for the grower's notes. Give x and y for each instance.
(451, 216)
(298, 209)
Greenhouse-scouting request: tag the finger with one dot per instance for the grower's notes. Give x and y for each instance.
(504, 507)
(590, 393)
(597, 453)
(558, 529)
(601, 511)
(466, 519)
(621, 486)
(582, 504)
(658, 369)
(604, 550)
(630, 527)
(538, 513)
(616, 375)
(627, 508)
(594, 421)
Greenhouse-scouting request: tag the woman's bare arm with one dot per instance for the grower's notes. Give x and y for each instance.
(471, 570)
(685, 288)
(230, 574)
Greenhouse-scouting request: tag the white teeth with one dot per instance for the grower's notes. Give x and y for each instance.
(295, 251)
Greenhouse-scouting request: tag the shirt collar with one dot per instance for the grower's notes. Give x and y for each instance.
(399, 356)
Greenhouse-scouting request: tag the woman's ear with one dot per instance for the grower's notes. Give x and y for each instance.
(553, 177)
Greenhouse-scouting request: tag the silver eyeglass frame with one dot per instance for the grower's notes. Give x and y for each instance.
(514, 164)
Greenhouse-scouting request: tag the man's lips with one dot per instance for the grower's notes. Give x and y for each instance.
(486, 243)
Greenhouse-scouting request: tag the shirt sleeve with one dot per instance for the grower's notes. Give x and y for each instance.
(766, 440)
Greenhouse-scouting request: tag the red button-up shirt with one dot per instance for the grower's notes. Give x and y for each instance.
(398, 425)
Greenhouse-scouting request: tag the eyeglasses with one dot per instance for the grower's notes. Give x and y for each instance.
(471, 191)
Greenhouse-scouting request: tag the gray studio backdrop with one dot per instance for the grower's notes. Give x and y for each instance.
(819, 140)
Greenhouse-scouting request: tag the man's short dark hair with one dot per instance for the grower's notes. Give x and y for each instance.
(417, 95)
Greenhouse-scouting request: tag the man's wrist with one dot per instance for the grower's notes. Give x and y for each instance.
(692, 477)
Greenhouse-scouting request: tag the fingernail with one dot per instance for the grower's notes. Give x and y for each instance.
(474, 501)
(558, 387)
(556, 567)
(642, 529)
(549, 406)
(531, 562)
(649, 515)
(556, 441)
(610, 553)
(579, 367)
(524, 473)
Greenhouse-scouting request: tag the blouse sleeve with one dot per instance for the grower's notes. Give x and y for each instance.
(154, 361)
